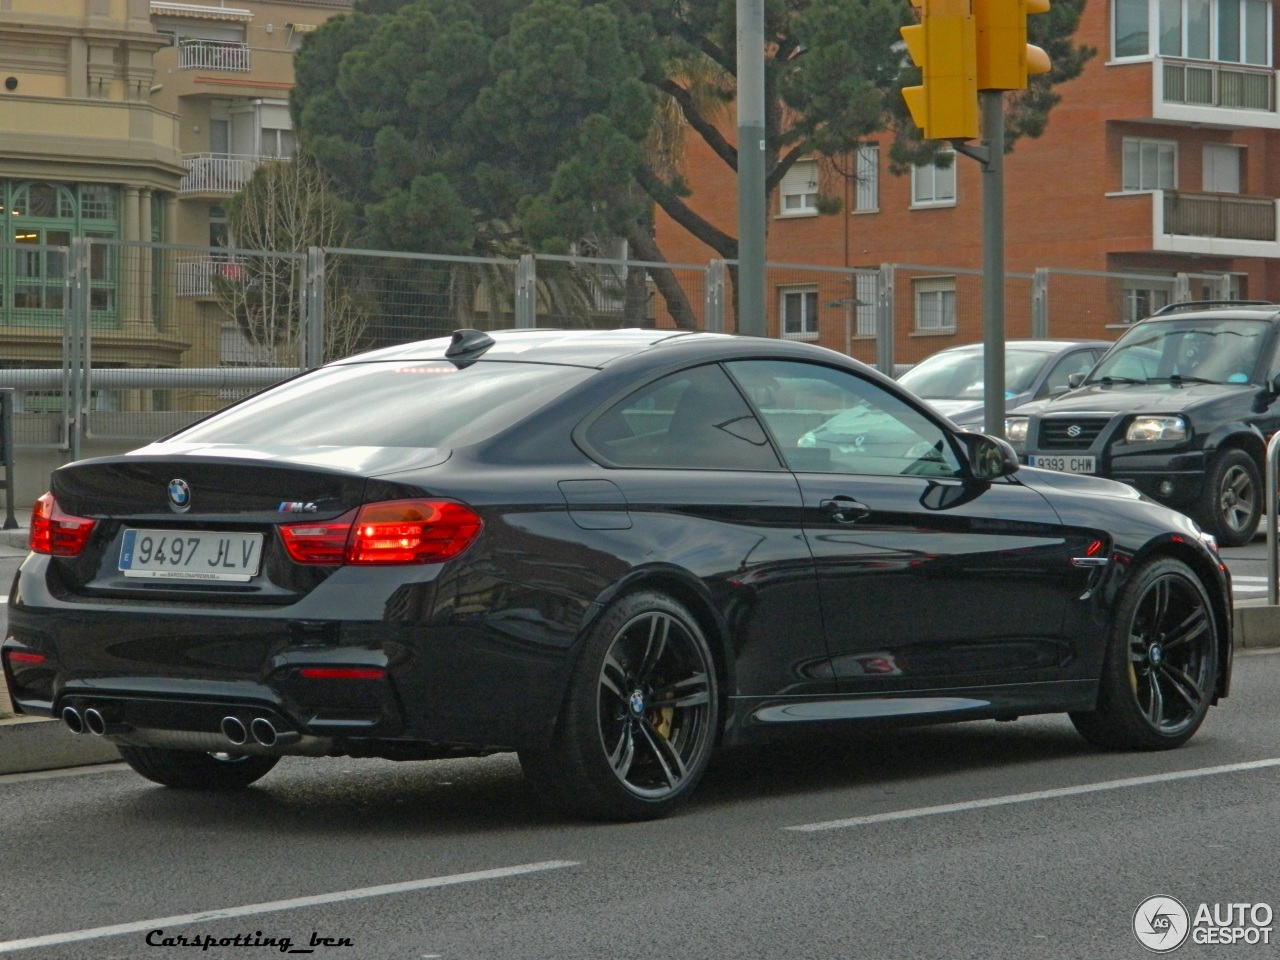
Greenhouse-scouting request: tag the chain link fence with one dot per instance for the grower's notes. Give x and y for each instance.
(115, 340)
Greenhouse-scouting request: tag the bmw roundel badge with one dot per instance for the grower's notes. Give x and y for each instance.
(179, 495)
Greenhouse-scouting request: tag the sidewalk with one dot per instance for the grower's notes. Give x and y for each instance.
(29, 744)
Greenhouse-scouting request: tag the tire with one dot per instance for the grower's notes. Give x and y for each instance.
(640, 719)
(189, 770)
(1161, 667)
(1231, 504)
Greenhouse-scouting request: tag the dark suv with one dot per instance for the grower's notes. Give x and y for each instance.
(1181, 408)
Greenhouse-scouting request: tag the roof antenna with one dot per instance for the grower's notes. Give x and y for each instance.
(467, 346)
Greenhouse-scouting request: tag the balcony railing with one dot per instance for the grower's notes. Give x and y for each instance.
(217, 173)
(1223, 216)
(196, 275)
(1198, 83)
(213, 55)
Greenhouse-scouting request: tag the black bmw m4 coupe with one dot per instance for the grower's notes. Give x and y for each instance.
(612, 552)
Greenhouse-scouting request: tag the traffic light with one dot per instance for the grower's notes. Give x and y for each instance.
(944, 46)
(1005, 59)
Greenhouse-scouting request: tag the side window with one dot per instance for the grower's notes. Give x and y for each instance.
(1081, 361)
(830, 421)
(692, 419)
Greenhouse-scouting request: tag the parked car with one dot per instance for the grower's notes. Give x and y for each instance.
(952, 379)
(612, 552)
(1180, 408)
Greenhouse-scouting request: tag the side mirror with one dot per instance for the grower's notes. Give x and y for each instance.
(989, 457)
(1074, 380)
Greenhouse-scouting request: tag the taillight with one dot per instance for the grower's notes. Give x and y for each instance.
(57, 533)
(398, 531)
(22, 656)
(343, 673)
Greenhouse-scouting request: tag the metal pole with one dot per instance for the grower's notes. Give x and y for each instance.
(1273, 551)
(6, 454)
(751, 174)
(993, 261)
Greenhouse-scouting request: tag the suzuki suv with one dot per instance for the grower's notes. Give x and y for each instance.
(1181, 408)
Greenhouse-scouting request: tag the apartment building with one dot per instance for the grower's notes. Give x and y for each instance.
(127, 122)
(1160, 167)
(83, 152)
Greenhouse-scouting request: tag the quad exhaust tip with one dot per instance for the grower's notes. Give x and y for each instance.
(264, 731)
(233, 729)
(71, 717)
(95, 721)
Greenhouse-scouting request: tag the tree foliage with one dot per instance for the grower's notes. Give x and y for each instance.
(487, 126)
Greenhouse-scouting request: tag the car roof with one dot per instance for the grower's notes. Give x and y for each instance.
(585, 348)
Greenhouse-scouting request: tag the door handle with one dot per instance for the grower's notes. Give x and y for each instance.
(845, 509)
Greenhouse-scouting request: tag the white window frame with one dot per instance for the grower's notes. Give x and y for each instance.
(799, 184)
(1143, 298)
(1245, 19)
(930, 182)
(1221, 167)
(1141, 142)
(805, 295)
(1149, 7)
(866, 191)
(935, 304)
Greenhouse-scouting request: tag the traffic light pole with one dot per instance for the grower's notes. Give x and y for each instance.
(991, 156)
(750, 282)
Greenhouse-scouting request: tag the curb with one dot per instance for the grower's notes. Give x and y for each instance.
(28, 744)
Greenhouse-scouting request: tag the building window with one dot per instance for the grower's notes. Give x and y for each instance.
(935, 304)
(277, 143)
(1141, 302)
(1131, 28)
(798, 194)
(866, 287)
(799, 309)
(40, 219)
(934, 184)
(1150, 164)
(1231, 31)
(867, 197)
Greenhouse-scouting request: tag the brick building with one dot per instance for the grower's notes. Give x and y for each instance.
(1160, 167)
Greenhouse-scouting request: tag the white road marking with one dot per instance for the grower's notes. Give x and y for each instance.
(272, 906)
(1036, 795)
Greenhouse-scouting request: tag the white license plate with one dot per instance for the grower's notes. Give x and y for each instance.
(1064, 464)
(190, 555)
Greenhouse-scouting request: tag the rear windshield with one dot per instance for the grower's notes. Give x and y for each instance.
(429, 403)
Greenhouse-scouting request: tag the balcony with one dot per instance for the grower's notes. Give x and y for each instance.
(219, 175)
(213, 55)
(1221, 224)
(1213, 93)
(196, 276)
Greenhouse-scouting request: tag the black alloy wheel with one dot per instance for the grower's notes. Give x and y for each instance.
(641, 718)
(1162, 665)
(191, 770)
(1232, 498)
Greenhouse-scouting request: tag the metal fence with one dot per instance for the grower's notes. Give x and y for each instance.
(107, 339)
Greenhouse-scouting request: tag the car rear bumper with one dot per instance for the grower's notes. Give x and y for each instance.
(173, 678)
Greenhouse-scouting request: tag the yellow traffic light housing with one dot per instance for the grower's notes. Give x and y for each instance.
(944, 46)
(1005, 59)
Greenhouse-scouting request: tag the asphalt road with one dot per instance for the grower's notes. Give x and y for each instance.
(1045, 848)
